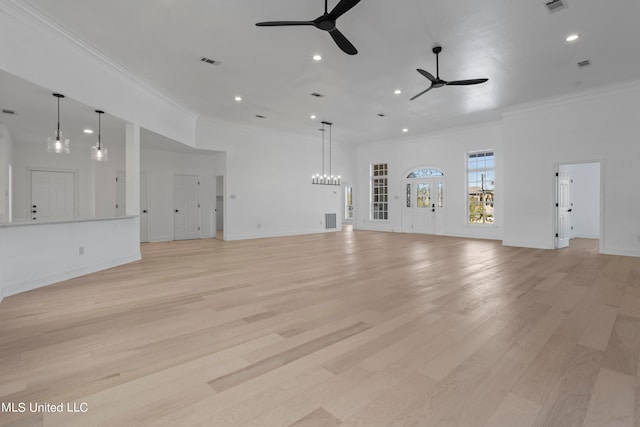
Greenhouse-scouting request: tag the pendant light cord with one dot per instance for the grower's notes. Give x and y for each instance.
(58, 131)
(323, 149)
(99, 131)
(330, 151)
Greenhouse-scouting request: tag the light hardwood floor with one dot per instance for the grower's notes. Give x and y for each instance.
(349, 328)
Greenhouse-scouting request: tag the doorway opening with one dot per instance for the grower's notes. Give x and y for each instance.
(348, 204)
(219, 211)
(121, 202)
(578, 202)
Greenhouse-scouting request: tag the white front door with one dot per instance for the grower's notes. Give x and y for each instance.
(52, 195)
(563, 203)
(423, 206)
(187, 207)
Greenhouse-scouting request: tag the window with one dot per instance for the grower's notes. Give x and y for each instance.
(425, 173)
(379, 192)
(480, 187)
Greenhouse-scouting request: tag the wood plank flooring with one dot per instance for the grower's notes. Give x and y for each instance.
(343, 329)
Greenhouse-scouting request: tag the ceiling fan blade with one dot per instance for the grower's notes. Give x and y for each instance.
(283, 23)
(466, 82)
(341, 8)
(422, 93)
(427, 75)
(342, 42)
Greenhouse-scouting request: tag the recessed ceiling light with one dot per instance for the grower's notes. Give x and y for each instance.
(238, 98)
(88, 131)
(405, 130)
(397, 91)
(312, 117)
(572, 37)
(317, 57)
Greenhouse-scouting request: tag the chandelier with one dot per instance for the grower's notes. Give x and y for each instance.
(323, 179)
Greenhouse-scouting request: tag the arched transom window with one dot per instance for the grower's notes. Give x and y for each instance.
(425, 173)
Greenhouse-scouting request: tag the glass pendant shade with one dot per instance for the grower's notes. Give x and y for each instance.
(98, 152)
(58, 144)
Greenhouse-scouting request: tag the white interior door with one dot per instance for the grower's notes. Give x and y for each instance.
(563, 203)
(121, 202)
(144, 209)
(121, 193)
(52, 195)
(187, 207)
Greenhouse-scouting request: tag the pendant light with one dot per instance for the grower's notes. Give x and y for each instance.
(323, 179)
(58, 144)
(98, 152)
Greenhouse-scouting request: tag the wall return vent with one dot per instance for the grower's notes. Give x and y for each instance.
(330, 221)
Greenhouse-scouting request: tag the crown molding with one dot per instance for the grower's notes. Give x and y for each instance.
(32, 16)
(593, 93)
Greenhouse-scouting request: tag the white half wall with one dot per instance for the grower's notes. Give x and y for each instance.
(35, 255)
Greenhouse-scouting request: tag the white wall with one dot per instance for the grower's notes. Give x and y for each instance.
(161, 167)
(446, 151)
(268, 179)
(6, 156)
(585, 196)
(600, 126)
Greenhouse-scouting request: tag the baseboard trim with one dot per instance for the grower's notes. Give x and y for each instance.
(267, 235)
(530, 245)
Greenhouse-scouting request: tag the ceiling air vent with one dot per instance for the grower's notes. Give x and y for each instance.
(584, 63)
(555, 5)
(317, 95)
(12, 112)
(210, 61)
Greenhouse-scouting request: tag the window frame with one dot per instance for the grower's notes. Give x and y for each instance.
(379, 192)
(486, 219)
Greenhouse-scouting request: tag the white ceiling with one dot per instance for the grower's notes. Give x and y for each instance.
(518, 45)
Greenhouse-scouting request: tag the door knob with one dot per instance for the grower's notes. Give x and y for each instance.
(144, 211)
(176, 210)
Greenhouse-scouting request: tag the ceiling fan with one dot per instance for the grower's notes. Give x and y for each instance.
(326, 22)
(437, 82)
